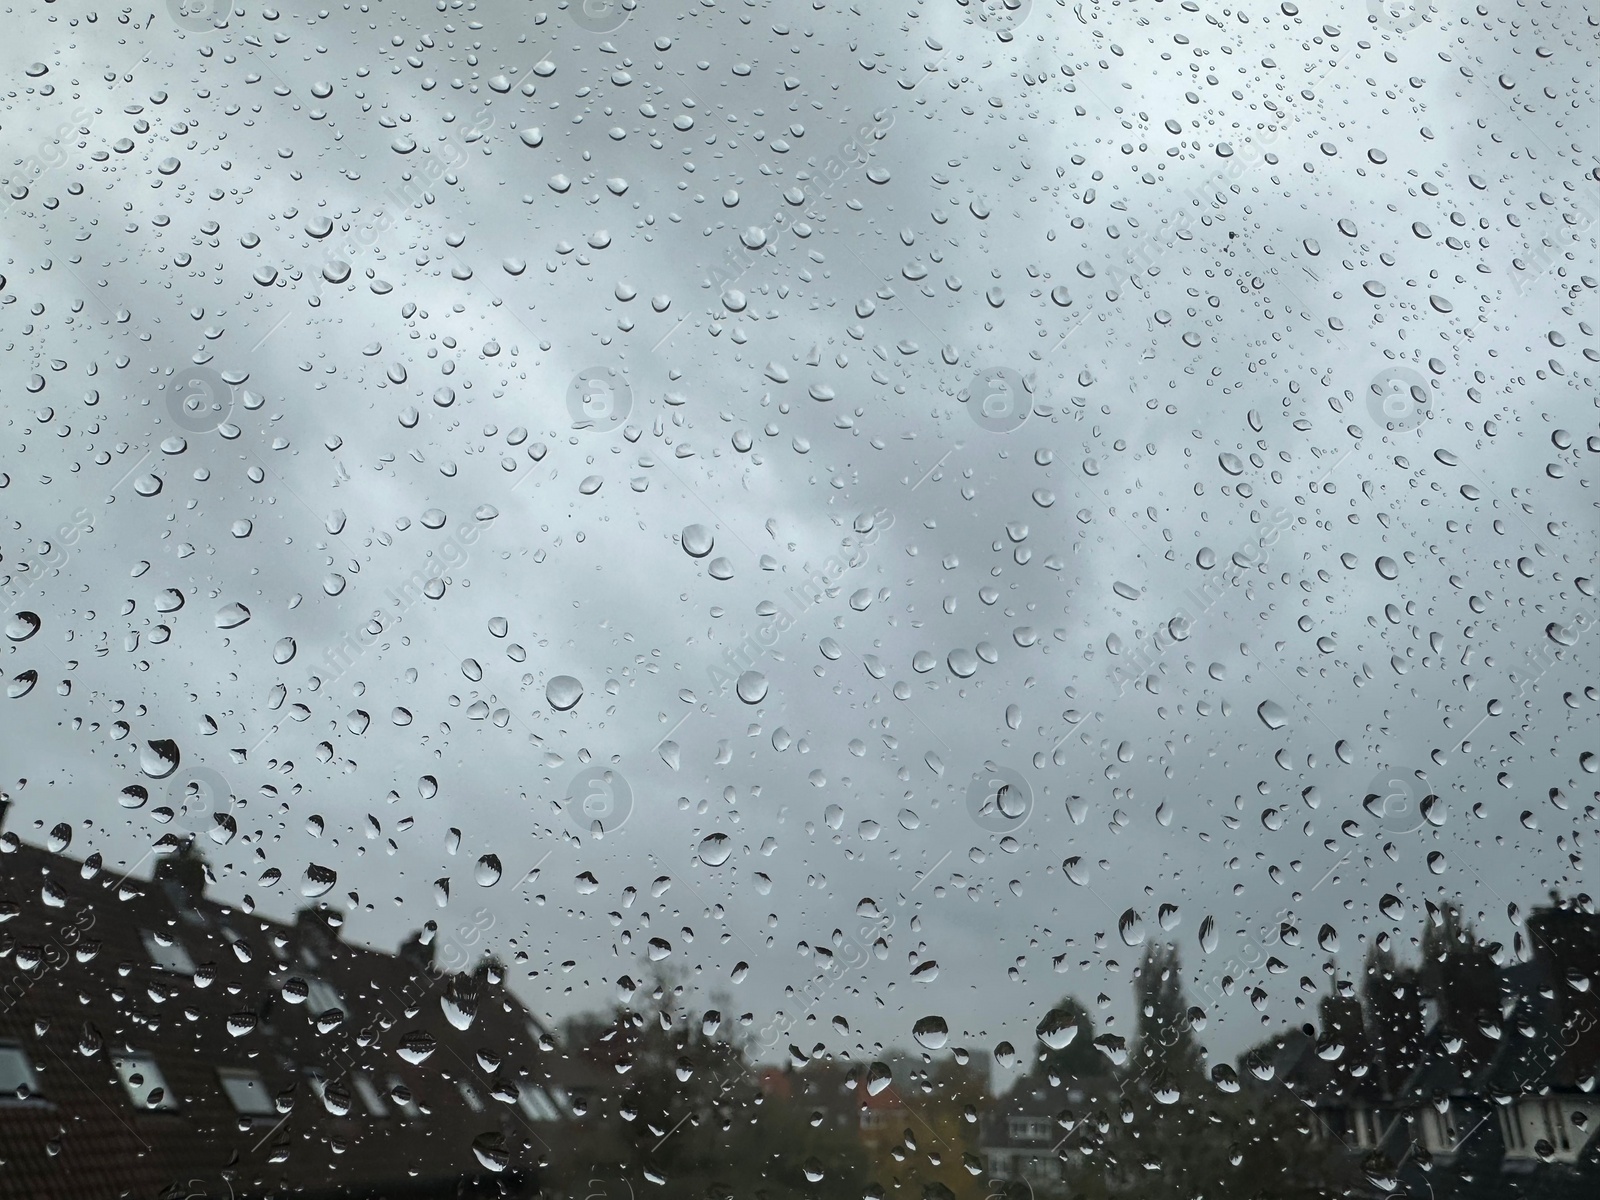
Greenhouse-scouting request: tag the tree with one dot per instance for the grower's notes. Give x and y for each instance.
(1391, 997)
(1066, 1035)
(1165, 1051)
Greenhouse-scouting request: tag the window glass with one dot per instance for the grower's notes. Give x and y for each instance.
(246, 1093)
(17, 1078)
(973, 600)
(167, 952)
(143, 1081)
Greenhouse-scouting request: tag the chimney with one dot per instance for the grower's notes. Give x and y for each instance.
(417, 950)
(182, 876)
(316, 935)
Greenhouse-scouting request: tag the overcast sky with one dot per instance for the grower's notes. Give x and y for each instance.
(1000, 389)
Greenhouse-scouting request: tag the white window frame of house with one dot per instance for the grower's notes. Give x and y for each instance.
(1519, 1135)
(146, 1067)
(246, 1091)
(1441, 1131)
(1555, 1123)
(169, 955)
(19, 1067)
(1367, 1127)
(1517, 1129)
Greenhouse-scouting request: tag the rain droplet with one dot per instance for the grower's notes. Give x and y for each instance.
(962, 662)
(1131, 927)
(317, 881)
(715, 849)
(931, 1032)
(697, 540)
(416, 1047)
(1057, 1029)
(1272, 714)
(159, 758)
(23, 626)
(231, 616)
(563, 692)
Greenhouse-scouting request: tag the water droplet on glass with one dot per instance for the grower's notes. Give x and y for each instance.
(22, 626)
(317, 881)
(751, 687)
(231, 616)
(1272, 714)
(1131, 927)
(159, 758)
(715, 849)
(563, 691)
(697, 540)
(931, 1032)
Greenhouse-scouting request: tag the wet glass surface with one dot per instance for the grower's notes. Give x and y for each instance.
(975, 600)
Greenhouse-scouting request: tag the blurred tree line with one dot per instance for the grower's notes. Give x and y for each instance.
(688, 1114)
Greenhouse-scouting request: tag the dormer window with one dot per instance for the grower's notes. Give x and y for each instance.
(18, 1082)
(167, 952)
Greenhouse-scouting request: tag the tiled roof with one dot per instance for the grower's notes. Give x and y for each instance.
(78, 986)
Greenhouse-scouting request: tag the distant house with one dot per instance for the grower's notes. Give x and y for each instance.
(1483, 1073)
(154, 1042)
(823, 1088)
(1545, 1077)
(1023, 1140)
(881, 1119)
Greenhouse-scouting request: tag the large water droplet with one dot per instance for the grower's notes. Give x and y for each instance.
(563, 692)
(22, 626)
(751, 687)
(1057, 1029)
(417, 1046)
(159, 758)
(715, 849)
(1131, 927)
(317, 881)
(697, 541)
(231, 616)
(931, 1032)
(488, 870)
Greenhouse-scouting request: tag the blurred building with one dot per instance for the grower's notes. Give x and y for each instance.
(156, 1043)
(1473, 1073)
(1026, 1140)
